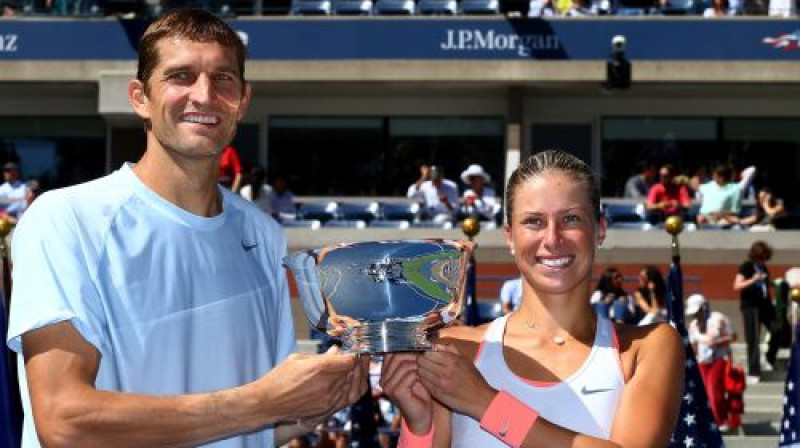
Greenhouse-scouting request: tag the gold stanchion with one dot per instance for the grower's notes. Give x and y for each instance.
(471, 227)
(674, 226)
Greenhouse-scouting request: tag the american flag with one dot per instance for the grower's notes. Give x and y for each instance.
(471, 313)
(790, 423)
(695, 427)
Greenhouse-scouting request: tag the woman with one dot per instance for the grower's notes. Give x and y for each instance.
(752, 282)
(610, 299)
(554, 363)
(711, 334)
(768, 210)
(650, 297)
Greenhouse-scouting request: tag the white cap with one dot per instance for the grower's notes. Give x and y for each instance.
(694, 303)
(474, 170)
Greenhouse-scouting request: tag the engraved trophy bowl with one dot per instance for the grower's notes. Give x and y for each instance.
(382, 296)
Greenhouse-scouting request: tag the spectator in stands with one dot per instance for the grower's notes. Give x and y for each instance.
(721, 200)
(424, 175)
(769, 209)
(541, 8)
(281, 199)
(753, 283)
(697, 179)
(638, 186)
(718, 8)
(479, 198)
(14, 193)
(230, 169)
(258, 191)
(511, 295)
(650, 296)
(610, 299)
(151, 307)
(667, 197)
(711, 334)
(439, 196)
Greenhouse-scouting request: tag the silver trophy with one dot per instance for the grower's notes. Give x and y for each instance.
(382, 296)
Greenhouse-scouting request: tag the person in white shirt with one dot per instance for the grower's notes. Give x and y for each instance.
(439, 196)
(479, 198)
(14, 193)
(511, 295)
(711, 335)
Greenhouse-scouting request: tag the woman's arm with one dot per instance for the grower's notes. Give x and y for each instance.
(740, 283)
(645, 417)
(641, 302)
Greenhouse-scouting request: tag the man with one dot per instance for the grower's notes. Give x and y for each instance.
(150, 305)
(667, 197)
(13, 192)
(721, 200)
(439, 196)
(638, 185)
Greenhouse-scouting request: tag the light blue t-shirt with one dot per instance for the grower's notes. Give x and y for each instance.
(174, 302)
(716, 198)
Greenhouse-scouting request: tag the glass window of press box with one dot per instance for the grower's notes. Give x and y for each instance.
(380, 156)
(57, 151)
(695, 146)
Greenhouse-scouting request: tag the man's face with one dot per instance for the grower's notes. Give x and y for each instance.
(10, 174)
(194, 98)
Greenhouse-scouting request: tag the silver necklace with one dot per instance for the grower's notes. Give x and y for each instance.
(558, 340)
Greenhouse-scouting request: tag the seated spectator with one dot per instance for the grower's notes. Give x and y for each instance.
(281, 199)
(667, 197)
(638, 186)
(479, 198)
(424, 175)
(258, 191)
(230, 169)
(768, 209)
(721, 200)
(718, 8)
(439, 196)
(14, 193)
(697, 179)
(511, 295)
(541, 8)
(611, 300)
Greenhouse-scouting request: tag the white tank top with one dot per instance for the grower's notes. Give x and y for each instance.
(585, 402)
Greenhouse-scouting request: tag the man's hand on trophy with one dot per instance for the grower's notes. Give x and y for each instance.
(454, 380)
(312, 385)
(401, 383)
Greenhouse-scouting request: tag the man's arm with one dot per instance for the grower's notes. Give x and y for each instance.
(68, 411)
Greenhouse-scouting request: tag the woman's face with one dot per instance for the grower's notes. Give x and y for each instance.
(643, 277)
(553, 232)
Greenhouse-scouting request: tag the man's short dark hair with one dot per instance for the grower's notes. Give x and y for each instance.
(196, 25)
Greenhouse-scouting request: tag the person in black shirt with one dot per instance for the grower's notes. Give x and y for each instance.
(752, 281)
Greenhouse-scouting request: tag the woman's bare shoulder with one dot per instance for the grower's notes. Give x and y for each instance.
(657, 340)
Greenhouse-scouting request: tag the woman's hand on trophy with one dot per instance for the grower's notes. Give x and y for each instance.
(401, 383)
(454, 381)
(312, 385)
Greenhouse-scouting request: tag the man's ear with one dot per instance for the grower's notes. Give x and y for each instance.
(246, 97)
(138, 98)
